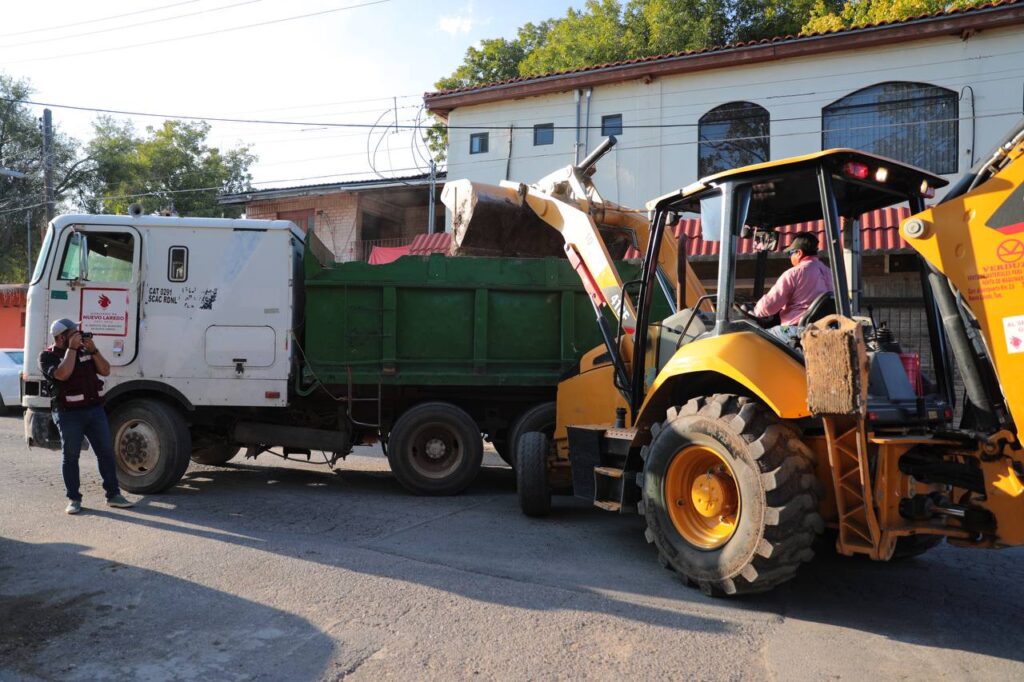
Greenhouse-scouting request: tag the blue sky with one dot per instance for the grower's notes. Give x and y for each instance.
(343, 66)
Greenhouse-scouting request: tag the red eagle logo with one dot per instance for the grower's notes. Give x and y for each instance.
(104, 301)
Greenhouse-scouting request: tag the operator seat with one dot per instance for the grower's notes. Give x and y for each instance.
(823, 306)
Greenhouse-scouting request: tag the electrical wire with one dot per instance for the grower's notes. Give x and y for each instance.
(127, 26)
(370, 126)
(205, 34)
(96, 21)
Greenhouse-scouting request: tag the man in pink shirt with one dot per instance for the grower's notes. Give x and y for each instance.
(795, 291)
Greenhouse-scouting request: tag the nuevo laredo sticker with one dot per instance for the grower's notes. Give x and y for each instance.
(1014, 329)
(105, 311)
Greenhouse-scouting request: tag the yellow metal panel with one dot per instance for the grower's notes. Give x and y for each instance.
(768, 371)
(587, 398)
(987, 266)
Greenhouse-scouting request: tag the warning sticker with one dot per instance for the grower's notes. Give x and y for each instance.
(1014, 328)
(105, 311)
(1010, 250)
(1002, 279)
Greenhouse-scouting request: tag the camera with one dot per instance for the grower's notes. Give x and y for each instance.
(86, 335)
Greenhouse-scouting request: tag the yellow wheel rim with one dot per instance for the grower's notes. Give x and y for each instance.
(702, 497)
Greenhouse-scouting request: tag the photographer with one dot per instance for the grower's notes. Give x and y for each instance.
(74, 367)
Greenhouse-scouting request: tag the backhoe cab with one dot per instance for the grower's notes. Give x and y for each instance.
(739, 448)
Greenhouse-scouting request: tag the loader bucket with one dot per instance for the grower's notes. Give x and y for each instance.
(489, 220)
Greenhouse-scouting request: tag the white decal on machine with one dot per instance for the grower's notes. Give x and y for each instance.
(105, 311)
(1014, 328)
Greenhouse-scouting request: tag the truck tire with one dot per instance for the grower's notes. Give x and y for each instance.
(152, 445)
(539, 418)
(435, 449)
(532, 474)
(215, 455)
(730, 495)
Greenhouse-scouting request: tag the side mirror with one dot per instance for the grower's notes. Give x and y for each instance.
(83, 258)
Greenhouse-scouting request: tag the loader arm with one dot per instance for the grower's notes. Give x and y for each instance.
(976, 240)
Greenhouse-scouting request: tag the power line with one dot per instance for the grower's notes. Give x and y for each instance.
(127, 26)
(322, 124)
(201, 35)
(96, 21)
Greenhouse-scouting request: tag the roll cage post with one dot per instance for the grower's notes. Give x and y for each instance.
(834, 240)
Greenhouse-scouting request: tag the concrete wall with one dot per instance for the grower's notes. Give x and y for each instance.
(12, 326)
(652, 161)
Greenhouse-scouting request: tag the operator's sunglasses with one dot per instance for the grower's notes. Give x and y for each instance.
(790, 251)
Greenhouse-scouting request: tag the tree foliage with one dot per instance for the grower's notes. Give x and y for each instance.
(170, 167)
(862, 12)
(21, 199)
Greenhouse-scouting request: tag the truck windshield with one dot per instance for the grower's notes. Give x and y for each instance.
(44, 251)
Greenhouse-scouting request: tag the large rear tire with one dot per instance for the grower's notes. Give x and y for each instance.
(539, 418)
(215, 455)
(152, 445)
(730, 496)
(435, 449)
(532, 485)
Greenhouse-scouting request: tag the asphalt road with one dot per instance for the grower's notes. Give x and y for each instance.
(272, 570)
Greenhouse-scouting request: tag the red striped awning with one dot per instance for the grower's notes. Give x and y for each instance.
(879, 232)
(426, 244)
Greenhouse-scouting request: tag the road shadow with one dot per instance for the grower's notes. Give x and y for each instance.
(578, 558)
(69, 616)
(471, 544)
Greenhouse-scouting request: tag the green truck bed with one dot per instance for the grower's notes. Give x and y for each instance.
(436, 320)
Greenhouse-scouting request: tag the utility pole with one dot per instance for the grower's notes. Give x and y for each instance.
(28, 242)
(51, 202)
(433, 189)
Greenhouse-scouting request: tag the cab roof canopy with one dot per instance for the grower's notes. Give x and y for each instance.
(786, 192)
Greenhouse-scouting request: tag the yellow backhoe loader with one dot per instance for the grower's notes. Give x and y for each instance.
(739, 448)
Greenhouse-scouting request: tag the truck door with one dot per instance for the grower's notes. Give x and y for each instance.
(96, 283)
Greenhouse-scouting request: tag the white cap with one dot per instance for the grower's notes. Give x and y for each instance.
(62, 325)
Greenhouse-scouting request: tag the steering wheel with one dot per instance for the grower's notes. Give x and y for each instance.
(747, 311)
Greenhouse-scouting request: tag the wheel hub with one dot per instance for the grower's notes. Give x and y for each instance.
(702, 497)
(436, 448)
(137, 447)
(713, 494)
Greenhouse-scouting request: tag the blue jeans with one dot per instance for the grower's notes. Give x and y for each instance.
(92, 423)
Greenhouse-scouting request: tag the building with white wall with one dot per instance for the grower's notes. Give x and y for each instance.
(937, 91)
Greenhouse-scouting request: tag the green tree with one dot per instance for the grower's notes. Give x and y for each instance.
(21, 199)
(170, 167)
(825, 17)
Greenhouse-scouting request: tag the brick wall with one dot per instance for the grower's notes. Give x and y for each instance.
(336, 218)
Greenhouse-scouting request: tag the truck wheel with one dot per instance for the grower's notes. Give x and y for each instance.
(215, 455)
(152, 445)
(532, 474)
(435, 449)
(539, 418)
(730, 496)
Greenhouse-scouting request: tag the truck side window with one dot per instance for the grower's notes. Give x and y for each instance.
(177, 264)
(111, 257)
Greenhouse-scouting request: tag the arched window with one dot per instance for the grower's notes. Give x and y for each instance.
(911, 122)
(732, 135)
